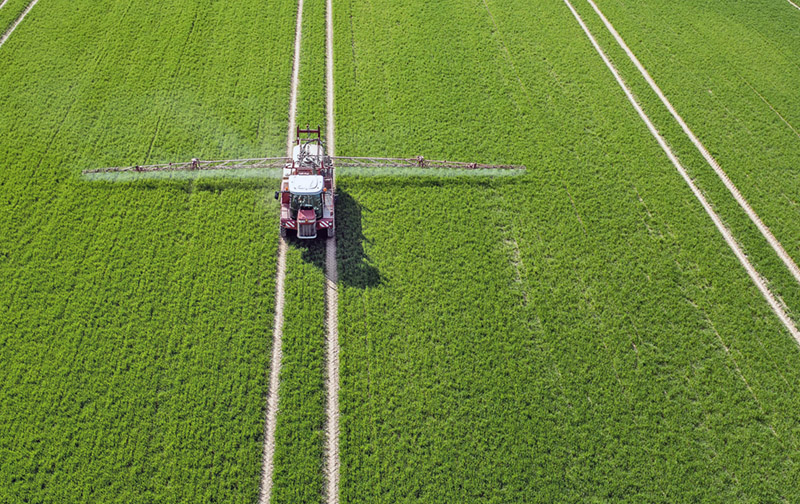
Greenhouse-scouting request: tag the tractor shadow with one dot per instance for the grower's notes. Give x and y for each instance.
(355, 268)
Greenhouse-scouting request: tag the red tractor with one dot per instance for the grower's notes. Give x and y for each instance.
(307, 192)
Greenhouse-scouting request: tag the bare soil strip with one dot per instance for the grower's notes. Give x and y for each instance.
(3, 3)
(332, 348)
(729, 239)
(794, 4)
(765, 231)
(17, 22)
(331, 295)
(271, 420)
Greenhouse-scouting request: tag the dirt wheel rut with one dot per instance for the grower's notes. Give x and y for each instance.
(271, 421)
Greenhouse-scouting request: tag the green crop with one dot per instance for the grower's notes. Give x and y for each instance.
(301, 416)
(730, 74)
(135, 317)
(578, 332)
(10, 12)
(581, 333)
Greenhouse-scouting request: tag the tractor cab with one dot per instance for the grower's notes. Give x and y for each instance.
(299, 202)
(305, 203)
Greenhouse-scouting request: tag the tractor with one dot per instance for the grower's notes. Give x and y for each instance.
(306, 194)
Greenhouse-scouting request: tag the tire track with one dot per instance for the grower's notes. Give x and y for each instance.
(777, 308)
(17, 22)
(3, 3)
(271, 420)
(794, 4)
(754, 218)
(768, 104)
(509, 58)
(331, 293)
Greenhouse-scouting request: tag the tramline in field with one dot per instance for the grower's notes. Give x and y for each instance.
(306, 194)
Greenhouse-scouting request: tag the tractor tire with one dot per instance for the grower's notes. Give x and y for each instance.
(331, 232)
(283, 232)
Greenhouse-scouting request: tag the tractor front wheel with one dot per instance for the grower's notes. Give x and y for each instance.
(331, 232)
(283, 232)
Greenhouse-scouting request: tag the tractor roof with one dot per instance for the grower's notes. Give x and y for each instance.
(306, 184)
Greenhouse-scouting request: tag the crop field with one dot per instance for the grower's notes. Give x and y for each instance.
(134, 317)
(582, 332)
(10, 10)
(731, 71)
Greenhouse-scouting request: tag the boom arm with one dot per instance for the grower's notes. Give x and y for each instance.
(196, 164)
(280, 162)
(417, 162)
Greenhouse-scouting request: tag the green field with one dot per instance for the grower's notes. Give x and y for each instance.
(730, 73)
(9, 13)
(579, 333)
(136, 317)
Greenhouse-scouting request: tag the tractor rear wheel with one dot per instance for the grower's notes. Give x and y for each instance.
(283, 232)
(331, 232)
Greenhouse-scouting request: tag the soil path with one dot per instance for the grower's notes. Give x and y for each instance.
(765, 231)
(331, 295)
(277, 332)
(777, 308)
(17, 22)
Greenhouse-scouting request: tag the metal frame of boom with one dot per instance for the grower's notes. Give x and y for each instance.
(312, 137)
(196, 164)
(273, 163)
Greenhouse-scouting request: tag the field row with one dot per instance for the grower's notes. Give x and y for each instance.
(299, 451)
(10, 11)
